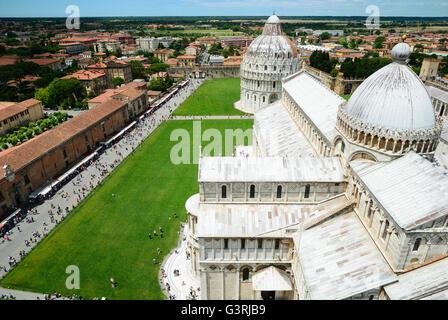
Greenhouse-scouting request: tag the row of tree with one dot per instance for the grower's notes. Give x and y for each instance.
(33, 129)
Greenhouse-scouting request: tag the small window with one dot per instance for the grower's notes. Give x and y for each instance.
(64, 153)
(252, 191)
(417, 244)
(386, 227)
(307, 191)
(226, 243)
(224, 192)
(243, 243)
(279, 192)
(26, 178)
(260, 243)
(246, 274)
(277, 244)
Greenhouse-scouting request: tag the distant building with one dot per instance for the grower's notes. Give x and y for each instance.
(94, 81)
(216, 60)
(103, 46)
(430, 67)
(186, 61)
(113, 69)
(73, 47)
(15, 114)
(338, 33)
(148, 44)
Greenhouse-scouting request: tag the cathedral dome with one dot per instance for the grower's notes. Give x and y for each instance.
(393, 98)
(272, 42)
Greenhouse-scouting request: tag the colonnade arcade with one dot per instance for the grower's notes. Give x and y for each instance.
(321, 145)
(385, 140)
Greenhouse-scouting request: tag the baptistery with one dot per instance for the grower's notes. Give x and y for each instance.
(270, 58)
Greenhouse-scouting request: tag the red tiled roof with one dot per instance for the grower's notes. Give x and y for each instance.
(22, 155)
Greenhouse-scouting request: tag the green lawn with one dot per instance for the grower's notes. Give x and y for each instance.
(346, 97)
(214, 97)
(108, 237)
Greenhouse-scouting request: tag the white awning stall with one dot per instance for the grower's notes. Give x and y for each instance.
(271, 279)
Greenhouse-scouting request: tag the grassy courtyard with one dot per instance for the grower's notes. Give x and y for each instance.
(214, 97)
(108, 237)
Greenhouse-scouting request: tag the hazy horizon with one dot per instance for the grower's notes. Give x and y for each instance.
(227, 8)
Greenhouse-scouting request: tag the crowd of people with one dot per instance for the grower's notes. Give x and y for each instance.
(78, 185)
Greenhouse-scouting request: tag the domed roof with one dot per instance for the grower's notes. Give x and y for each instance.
(394, 97)
(272, 42)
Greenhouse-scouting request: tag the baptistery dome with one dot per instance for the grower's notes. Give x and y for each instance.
(270, 58)
(391, 113)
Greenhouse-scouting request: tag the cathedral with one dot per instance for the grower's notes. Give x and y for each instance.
(334, 199)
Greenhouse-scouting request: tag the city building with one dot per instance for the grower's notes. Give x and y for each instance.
(16, 114)
(113, 69)
(94, 81)
(148, 44)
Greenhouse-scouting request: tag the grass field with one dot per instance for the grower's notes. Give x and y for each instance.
(108, 237)
(214, 97)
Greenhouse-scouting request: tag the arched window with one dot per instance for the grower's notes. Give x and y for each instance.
(252, 191)
(385, 230)
(273, 85)
(264, 99)
(307, 191)
(417, 243)
(246, 274)
(279, 192)
(243, 243)
(442, 111)
(224, 192)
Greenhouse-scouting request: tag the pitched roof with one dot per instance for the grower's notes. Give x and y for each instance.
(20, 156)
(411, 189)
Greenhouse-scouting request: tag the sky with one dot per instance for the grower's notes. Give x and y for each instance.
(104, 8)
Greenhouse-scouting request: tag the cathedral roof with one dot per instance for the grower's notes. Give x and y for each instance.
(340, 260)
(420, 282)
(410, 189)
(394, 97)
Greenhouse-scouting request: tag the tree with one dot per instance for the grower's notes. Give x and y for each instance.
(379, 42)
(138, 70)
(67, 93)
(325, 36)
(117, 82)
(158, 67)
(321, 60)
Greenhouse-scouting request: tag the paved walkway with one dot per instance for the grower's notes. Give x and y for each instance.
(181, 284)
(75, 191)
(209, 117)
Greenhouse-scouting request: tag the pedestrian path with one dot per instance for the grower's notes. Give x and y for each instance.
(181, 284)
(80, 187)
